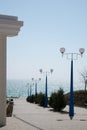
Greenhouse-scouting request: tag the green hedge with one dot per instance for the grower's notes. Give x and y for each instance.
(31, 99)
(38, 99)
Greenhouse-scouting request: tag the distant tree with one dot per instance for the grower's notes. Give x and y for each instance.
(84, 77)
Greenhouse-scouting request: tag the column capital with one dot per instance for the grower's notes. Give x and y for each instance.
(9, 25)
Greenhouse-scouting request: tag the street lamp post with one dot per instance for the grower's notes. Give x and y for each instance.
(46, 87)
(73, 56)
(27, 89)
(36, 89)
(30, 90)
(32, 84)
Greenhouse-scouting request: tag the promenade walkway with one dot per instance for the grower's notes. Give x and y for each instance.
(27, 116)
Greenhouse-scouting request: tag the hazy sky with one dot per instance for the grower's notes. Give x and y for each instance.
(48, 25)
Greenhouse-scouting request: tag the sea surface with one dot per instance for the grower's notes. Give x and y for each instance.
(21, 88)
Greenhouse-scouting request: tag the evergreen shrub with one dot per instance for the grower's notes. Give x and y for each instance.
(40, 99)
(57, 100)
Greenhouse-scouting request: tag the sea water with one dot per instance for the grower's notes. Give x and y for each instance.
(21, 88)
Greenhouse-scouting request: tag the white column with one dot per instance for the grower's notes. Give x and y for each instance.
(9, 27)
(2, 80)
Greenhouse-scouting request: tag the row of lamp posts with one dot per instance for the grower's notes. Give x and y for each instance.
(29, 86)
(46, 86)
(70, 56)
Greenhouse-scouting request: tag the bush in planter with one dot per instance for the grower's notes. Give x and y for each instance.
(57, 100)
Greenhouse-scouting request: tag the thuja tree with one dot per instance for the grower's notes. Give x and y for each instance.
(57, 100)
(40, 99)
